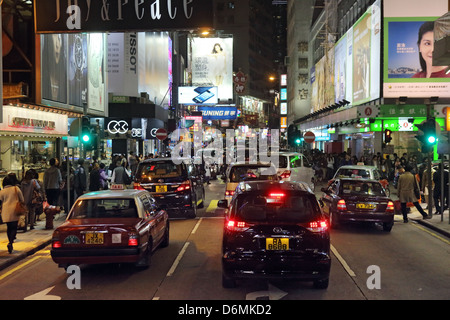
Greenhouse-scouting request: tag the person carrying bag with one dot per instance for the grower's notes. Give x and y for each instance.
(11, 197)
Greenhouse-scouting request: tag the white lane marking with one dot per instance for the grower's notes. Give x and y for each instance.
(343, 262)
(196, 226)
(177, 260)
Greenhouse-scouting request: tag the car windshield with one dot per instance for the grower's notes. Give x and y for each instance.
(353, 173)
(159, 169)
(362, 188)
(104, 208)
(277, 206)
(250, 173)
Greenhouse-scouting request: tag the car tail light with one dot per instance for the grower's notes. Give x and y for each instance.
(56, 243)
(318, 226)
(341, 205)
(286, 174)
(229, 193)
(133, 240)
(137, 186)
(276, 195)
(390, 207)
(186, 185)
(237, 226)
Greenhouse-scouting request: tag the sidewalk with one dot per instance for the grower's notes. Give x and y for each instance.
(27, 243)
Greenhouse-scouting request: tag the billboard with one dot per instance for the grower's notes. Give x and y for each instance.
(197, 95)
(73, 70)
(408, 51)
(351, 70)
(212, 63)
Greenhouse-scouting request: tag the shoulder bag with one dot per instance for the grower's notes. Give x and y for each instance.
(21, 208)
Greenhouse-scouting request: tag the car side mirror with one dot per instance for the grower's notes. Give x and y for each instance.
(222, 204)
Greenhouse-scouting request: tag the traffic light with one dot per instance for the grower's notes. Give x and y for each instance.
(87, 136)
(427, 134)
(387, 136)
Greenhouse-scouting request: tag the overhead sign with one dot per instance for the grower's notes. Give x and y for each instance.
(59, 16)
(218, 113)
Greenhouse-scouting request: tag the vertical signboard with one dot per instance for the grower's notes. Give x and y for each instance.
(96, 72)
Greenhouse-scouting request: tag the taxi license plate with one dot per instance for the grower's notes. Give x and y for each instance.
(94, 238)
(365, 206)
(161, 188)
(277, 244)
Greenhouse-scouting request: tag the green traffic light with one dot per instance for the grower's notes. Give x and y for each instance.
(86, 138)
(297, 141)
(431, 139)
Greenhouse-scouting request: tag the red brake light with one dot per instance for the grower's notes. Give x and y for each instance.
(186, 185)
(56, 244)
(276, 195)
(137, 186)
(286, 174)
(390, 207)
(237, 226)
(341, 205)
(133, 240)
(229, 193)
(318, 226)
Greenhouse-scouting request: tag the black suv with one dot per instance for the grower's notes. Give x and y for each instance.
(177, 188)
(275, 230)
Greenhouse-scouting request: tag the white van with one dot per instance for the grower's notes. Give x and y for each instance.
(295, 167)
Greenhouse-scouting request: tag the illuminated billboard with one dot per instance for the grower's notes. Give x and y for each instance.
(212, 63)
(351, 70)
(197, 95)
(408, 51)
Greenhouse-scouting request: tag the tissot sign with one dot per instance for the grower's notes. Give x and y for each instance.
(58, 16)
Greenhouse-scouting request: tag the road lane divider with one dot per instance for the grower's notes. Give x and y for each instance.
(196, 226)
(342, 262)
(177, 260)
(212, 206)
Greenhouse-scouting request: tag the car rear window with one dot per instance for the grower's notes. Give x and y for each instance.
(362, 188)
(104, 208)
(353, 173)
(159, 169)
(289, 207)
(249, 173)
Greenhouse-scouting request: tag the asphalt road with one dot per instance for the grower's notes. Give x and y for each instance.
(409, 263)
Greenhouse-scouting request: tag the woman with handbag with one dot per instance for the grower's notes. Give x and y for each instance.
(10, 196)
(407, 192)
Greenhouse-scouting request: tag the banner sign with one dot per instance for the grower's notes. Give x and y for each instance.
(59, 16)
(218, 113)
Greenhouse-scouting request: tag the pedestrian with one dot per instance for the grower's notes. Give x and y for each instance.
(103, 177)
(120, 174)
(52, 182)
(424, 185)
(68, 182)
(79, 179)
(207, 173)
(10, 195)
(437, 190)
(29, 186)
(94, 178)
(407, 183)
(133, 163)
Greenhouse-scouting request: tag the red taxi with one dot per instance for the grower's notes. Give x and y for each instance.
(113, 226)
(357, 200)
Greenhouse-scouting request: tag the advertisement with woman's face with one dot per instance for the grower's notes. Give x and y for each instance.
(408, 51)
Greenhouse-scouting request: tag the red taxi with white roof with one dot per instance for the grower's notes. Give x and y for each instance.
(111, 226)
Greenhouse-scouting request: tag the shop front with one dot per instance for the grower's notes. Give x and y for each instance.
(29, 137)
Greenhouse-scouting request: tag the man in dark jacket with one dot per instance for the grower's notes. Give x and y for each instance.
(52, 182)
(80, 178)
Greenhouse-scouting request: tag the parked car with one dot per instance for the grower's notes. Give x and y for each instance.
(112, 226)
(247, 172)
(295, 167)
(357, 200)
(361, 172)
(177, 188)
(275, 230)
